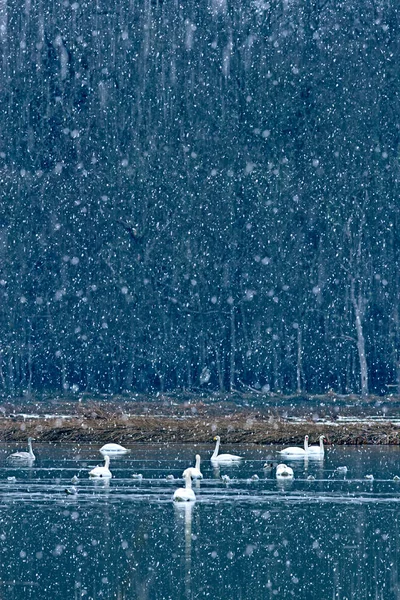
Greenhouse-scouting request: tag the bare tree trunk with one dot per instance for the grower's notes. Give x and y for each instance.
(233, 350)
(299, 366)
(358, 306)
(220, 370)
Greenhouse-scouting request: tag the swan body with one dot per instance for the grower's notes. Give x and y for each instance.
(284, 472)
(113, 449)
(225, 478)
(317, 450)
(185, 494)
(103, 471)
(194, 472)
(295, 451)
(23, 456)
(222, 458)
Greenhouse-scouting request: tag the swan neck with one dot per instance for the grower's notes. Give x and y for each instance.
(216, 450)
(197, 466)
(107, 462)
(306, 443)
(188, 481)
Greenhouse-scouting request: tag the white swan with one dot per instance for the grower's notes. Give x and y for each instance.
(113, 449)
(317, 450)
(284, 472)
(296, 452)
(185, 494)
(104, 471)
(222, 458)
(194, 472)
(23, 456)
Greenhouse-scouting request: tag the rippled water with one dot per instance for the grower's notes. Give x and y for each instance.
(327, 538)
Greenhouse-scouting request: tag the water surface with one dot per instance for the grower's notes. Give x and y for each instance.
(333, 536)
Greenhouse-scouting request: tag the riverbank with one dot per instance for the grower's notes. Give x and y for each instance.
(237, 418)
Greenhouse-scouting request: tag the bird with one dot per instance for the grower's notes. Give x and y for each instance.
(72, 491)
(317, 451)
(254, 477)
(222, 458)
(294, 451)
(225, 478)
(102, 471)
(369, 477)
(113, 449)
(169, 477)
(11, 479)
(185, 494)
(396, 478)
(137, 476)
(23, 456)
(194, 472)
(284, 472)
(311, 478)
(75, 479)
(268, 466)
(342, 470)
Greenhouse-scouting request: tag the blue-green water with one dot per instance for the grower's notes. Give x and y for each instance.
(327, 538)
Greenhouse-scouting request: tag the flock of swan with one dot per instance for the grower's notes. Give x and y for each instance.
(186, 494)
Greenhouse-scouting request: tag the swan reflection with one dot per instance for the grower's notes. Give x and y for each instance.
(184, 513)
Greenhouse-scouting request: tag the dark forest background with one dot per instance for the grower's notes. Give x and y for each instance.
(199, 195)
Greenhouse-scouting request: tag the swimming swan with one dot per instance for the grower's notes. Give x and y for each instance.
(194, 472)
(24, 456)
(317, 450)
(294, 451)
(284, 472)
(185, 494)
(102, 471)
(222, 458)
(113, 449)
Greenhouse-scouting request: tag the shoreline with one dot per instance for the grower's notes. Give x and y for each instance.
(232, 429)
(236, 418)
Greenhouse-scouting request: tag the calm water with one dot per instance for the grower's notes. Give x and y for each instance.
(333, 537)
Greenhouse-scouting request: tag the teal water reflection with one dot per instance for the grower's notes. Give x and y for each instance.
(334, 536)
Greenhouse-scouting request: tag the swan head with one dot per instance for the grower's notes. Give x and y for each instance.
(217, 438)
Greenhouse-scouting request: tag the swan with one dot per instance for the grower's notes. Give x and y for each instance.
(369, 477)
(194, 472)
(113, 449)
(284, 472)
(185, 494)
(102, 471)
(222, 458)
(294, 451)
(317, 450)
(24, 456)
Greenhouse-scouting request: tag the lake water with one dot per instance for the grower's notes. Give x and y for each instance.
(334, 537)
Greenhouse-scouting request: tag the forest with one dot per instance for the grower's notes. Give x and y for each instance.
(199, 195)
